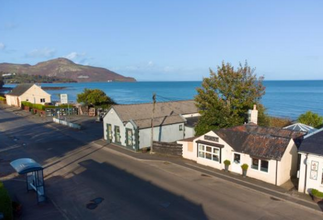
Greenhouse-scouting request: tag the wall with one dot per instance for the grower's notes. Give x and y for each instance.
(287, 167)
(112, 118)
(12, 100)
(189, 132)
(171, 149)
(305, 173)
(34, 94)
(166, 133)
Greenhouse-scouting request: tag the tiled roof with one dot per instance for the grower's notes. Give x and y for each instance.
(262, 142)
(20, 89)
(313, 143)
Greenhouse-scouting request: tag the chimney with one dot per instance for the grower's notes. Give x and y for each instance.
(253, 115)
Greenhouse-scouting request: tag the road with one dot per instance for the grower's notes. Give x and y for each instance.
(78, 170)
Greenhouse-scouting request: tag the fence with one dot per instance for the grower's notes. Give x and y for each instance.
(172, 149)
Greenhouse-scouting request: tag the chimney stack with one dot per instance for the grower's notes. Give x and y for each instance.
(253, 115)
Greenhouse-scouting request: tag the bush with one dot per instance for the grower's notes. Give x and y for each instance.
(5, 203)
(244, 166)
(227, 162)
(2, 98)
(317, 193)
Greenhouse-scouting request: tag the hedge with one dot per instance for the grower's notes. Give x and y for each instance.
(2, 98)
(42, 107)
(5, 203)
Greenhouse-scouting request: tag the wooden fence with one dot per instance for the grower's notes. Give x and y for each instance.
(172, 149)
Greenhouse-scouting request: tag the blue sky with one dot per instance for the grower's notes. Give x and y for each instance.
(168, 39)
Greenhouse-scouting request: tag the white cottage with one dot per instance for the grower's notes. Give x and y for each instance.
(271, 153)
(130, 125)
(27, 92)
(311, 162)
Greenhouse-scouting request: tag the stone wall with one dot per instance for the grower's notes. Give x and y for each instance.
(172, 149)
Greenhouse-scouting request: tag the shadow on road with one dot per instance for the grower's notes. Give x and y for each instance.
(124, 195)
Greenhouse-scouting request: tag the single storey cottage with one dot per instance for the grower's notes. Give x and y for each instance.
(270, 153)
(130, 125)
(27, 92)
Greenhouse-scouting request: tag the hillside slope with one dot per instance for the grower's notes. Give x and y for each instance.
(64, 68)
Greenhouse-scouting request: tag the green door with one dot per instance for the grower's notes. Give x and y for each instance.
(129, 141)
(117, 135)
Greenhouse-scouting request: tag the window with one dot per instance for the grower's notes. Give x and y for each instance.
(236, 158)
(254, 164)
(264, 165)
(181, 127)
(261, 165)
(42, 100)
(208, 152)
(117, 134)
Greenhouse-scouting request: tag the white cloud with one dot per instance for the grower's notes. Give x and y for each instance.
(41, 53)
(74, 55)
(2, 46)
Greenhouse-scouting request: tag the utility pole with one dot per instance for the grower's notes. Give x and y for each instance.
(152, 124)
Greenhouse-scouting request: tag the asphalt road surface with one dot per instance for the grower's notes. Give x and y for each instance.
(88, 181)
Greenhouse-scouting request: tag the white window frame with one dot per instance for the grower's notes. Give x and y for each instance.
(259, 165)
(233, 158)
(204, 151)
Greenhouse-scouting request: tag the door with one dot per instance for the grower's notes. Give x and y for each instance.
(129, 138)
(117, 135)
(109, 133)
(236, 163)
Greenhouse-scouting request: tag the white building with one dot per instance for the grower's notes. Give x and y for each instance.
(27, 92)
(270, 153)
(311, 162)
(130, 125)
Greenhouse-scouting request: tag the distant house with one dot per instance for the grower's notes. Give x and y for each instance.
(311, 162)
(27, 92)
(130, 125)
(271, 153)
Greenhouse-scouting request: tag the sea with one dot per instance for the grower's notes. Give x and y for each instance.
(282, 99)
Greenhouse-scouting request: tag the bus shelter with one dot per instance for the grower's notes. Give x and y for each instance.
(34, 175)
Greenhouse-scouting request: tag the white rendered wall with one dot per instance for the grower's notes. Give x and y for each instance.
(189, 132)
(166, 133)
(305, 173)
(34, 94)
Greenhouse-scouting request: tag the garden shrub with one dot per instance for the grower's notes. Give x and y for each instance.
(5, 203)
(317, 193)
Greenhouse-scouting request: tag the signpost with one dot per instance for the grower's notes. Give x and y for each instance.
(64, 100)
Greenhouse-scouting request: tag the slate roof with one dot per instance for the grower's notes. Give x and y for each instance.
(313, 143)
(260, 142)
(301, 127)
(165, 112)
(166, 120)
(20, 89)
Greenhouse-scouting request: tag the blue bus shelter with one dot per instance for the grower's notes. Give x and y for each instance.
(34, 175)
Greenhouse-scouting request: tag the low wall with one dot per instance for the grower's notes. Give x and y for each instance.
(66, 123)
(172, 149)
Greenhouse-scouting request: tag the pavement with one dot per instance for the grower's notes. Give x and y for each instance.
(88, 179)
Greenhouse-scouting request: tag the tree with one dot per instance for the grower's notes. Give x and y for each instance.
(226, 96)
(94, 97)
(311, 119)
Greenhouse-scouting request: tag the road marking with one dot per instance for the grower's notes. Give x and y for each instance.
(10, 148)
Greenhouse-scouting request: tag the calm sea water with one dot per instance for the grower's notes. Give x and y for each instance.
(282, 98)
